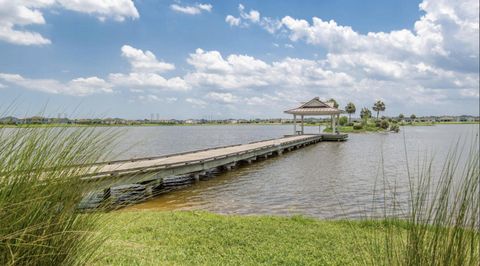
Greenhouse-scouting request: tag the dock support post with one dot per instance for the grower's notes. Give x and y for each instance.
(196, 177)
(229, 166)
(149, 191)
(302, 124)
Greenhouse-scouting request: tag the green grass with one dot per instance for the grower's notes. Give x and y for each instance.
(420, 124)
(443, 213)
(349, 129)
(200, 238)
(39, 193)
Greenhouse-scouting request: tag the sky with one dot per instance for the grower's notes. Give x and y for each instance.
(236, 59)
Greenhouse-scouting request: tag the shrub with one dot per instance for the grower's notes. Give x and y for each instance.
(395, 128)
(357, 126)
(440, 224)
(378, 123)
(40, 191)
(343, 120)
(384, 124)
(350, 124)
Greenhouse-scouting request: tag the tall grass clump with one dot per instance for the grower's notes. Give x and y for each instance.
(441, 225)
(39, 193)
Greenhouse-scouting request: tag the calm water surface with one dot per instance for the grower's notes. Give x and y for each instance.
(326, 180)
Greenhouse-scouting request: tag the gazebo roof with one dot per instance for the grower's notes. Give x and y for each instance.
(315, 107)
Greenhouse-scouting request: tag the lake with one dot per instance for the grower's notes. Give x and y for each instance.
(326, 180)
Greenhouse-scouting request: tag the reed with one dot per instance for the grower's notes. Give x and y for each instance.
(441, 225)
(39, 192)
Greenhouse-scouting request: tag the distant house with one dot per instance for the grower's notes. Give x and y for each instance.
(9, 120)
(466, 118)
(446, 119)
(425, 119)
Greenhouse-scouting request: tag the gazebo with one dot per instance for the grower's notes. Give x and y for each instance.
(314, 107)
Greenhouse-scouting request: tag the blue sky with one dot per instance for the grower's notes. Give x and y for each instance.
(239, 59)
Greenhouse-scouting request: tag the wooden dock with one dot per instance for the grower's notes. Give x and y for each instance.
(153, 173)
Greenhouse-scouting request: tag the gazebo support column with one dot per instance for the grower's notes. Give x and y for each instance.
(331, 122)
(294, 124)
(334, 124)
(338, 119)
(302, 124)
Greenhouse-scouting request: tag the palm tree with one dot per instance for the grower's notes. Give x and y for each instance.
(413, 116)
(379, 106)
(350, 109)
(365, 113)
(335, 104)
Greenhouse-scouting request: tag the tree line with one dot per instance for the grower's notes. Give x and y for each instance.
(366, 113)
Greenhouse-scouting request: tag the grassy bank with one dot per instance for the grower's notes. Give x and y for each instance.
(200, 238)
(346, 129)
(350, 129)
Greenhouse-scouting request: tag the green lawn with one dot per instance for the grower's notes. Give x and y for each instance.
(349, 129)
(186, 238)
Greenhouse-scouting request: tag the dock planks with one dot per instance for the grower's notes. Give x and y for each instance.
(211, 154)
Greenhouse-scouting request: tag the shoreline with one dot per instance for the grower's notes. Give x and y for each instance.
(223, 124)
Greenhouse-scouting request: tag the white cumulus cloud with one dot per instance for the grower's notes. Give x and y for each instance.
(243, 72)
(75, 87)
(102, 9)
(144, 61)
(15, 15)
(233, 21)
(193, 9)
(253, 16)
(196, 102)
(222, 97)
(145, 72)
(445, 37)
(144, 77)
